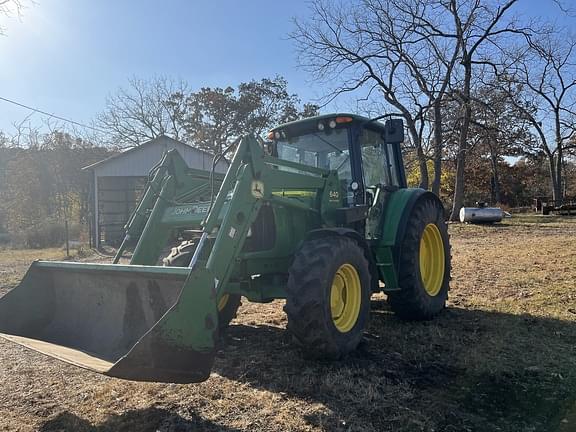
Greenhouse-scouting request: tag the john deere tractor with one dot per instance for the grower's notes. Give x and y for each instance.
(319, 215)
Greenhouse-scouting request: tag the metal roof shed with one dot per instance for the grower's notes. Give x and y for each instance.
(118, 183)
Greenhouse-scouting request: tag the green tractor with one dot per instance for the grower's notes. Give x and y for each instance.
(320, 215)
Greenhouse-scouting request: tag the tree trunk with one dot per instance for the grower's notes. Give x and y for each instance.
(558, 195)
(462, 144)
(496, 180)
(437, 147)
(558, 198)
(424, 179)
(416, 139)
(458, 202)
(565, 185)
(552, 171)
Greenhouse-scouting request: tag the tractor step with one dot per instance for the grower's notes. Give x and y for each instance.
(124, 321)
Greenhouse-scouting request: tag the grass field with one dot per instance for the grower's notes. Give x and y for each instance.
(501, 357)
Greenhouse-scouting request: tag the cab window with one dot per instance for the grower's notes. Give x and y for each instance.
(377, 161)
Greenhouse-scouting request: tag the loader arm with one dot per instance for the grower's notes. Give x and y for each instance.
(190, 185)
(149, 323)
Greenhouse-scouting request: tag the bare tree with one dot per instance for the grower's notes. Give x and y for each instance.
(478, 25)
(406, 51)
(143, 111)
(542, 86)
(207, 118)
(499, 131)
(430, 54)
(389, 48)
(10, 8)
(566, 7)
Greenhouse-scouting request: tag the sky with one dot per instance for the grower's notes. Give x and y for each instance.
(66, 56)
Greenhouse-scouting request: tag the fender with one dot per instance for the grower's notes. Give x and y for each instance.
(397, 209)
(358, 238)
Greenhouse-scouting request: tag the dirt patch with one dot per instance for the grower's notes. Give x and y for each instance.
(500, 358)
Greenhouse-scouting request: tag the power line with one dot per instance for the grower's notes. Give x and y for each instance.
(49, 115)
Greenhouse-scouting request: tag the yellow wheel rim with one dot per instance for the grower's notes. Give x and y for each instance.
(345, 298)
(432, 259)
(223, 302)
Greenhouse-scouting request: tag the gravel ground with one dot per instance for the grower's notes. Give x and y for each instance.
(500, 358)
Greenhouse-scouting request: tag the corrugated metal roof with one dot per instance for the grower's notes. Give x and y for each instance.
(139, 160)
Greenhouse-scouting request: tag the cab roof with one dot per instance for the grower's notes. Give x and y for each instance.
(306, 123)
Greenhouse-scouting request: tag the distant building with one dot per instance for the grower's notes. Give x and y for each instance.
(119, 181)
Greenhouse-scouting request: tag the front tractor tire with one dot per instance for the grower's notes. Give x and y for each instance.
(228, 305)
(424, 264)
(328, 297)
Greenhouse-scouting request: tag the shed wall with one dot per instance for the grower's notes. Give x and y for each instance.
(119, 182)
(117, 199)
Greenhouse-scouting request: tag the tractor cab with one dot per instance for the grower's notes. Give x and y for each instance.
(365, 153)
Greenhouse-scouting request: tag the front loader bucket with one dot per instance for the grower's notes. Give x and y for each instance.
(141, 323)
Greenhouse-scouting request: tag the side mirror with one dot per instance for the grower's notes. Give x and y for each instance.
(394, 131)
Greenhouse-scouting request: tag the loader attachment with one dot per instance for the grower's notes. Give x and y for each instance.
(130, 322)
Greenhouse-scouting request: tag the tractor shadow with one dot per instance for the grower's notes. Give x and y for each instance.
(465, 370)
(144, 420)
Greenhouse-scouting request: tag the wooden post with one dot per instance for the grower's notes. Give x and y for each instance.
(67, 238)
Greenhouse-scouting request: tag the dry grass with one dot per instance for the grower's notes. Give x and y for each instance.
(13, 262)
(502, 357)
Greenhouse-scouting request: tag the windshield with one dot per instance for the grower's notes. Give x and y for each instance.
(321, 150)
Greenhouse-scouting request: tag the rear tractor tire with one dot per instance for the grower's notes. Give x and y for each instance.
(228, 305)
(328, 297)
(424, 264)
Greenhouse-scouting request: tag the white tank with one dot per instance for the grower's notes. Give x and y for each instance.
(481, 214)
